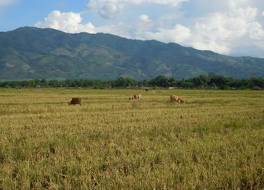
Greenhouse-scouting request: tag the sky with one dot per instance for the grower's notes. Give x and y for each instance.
(231, 27)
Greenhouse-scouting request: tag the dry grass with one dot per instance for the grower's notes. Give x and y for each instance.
(214, 141)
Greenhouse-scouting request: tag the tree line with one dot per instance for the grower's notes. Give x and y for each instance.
(200, 82)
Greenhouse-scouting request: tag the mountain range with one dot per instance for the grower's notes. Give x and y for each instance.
(34, 53)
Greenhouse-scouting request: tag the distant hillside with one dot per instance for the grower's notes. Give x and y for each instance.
(33, 53)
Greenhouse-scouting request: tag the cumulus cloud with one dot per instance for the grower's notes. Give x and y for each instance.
(256, 32)
(220, 32)
(109, 8)
(106, 9)
(144, 19)
(228, 31)
(6, 2)
(66, 21)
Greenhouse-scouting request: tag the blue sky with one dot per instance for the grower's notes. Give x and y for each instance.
(17, 13)
(233, 27)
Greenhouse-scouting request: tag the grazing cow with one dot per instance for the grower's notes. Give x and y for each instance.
(135, 97)
(75, 101)
(180, 100)
(174, 98)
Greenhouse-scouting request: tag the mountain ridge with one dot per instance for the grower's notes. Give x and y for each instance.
(34, 53)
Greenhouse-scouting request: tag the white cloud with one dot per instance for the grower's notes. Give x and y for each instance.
(225, 32)
(256, 31)
(144, 20)
(106, 9)
(66, 21)
(109, 8)
(221, 31)
(6, 2)
(136, 2)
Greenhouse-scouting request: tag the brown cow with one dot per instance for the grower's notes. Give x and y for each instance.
(75, 101)
(135, 97)
(174, 98)
(180, 100)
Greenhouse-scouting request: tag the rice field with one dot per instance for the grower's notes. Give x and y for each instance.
(213, 141)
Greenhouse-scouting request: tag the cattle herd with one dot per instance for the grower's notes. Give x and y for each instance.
(135, 97)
